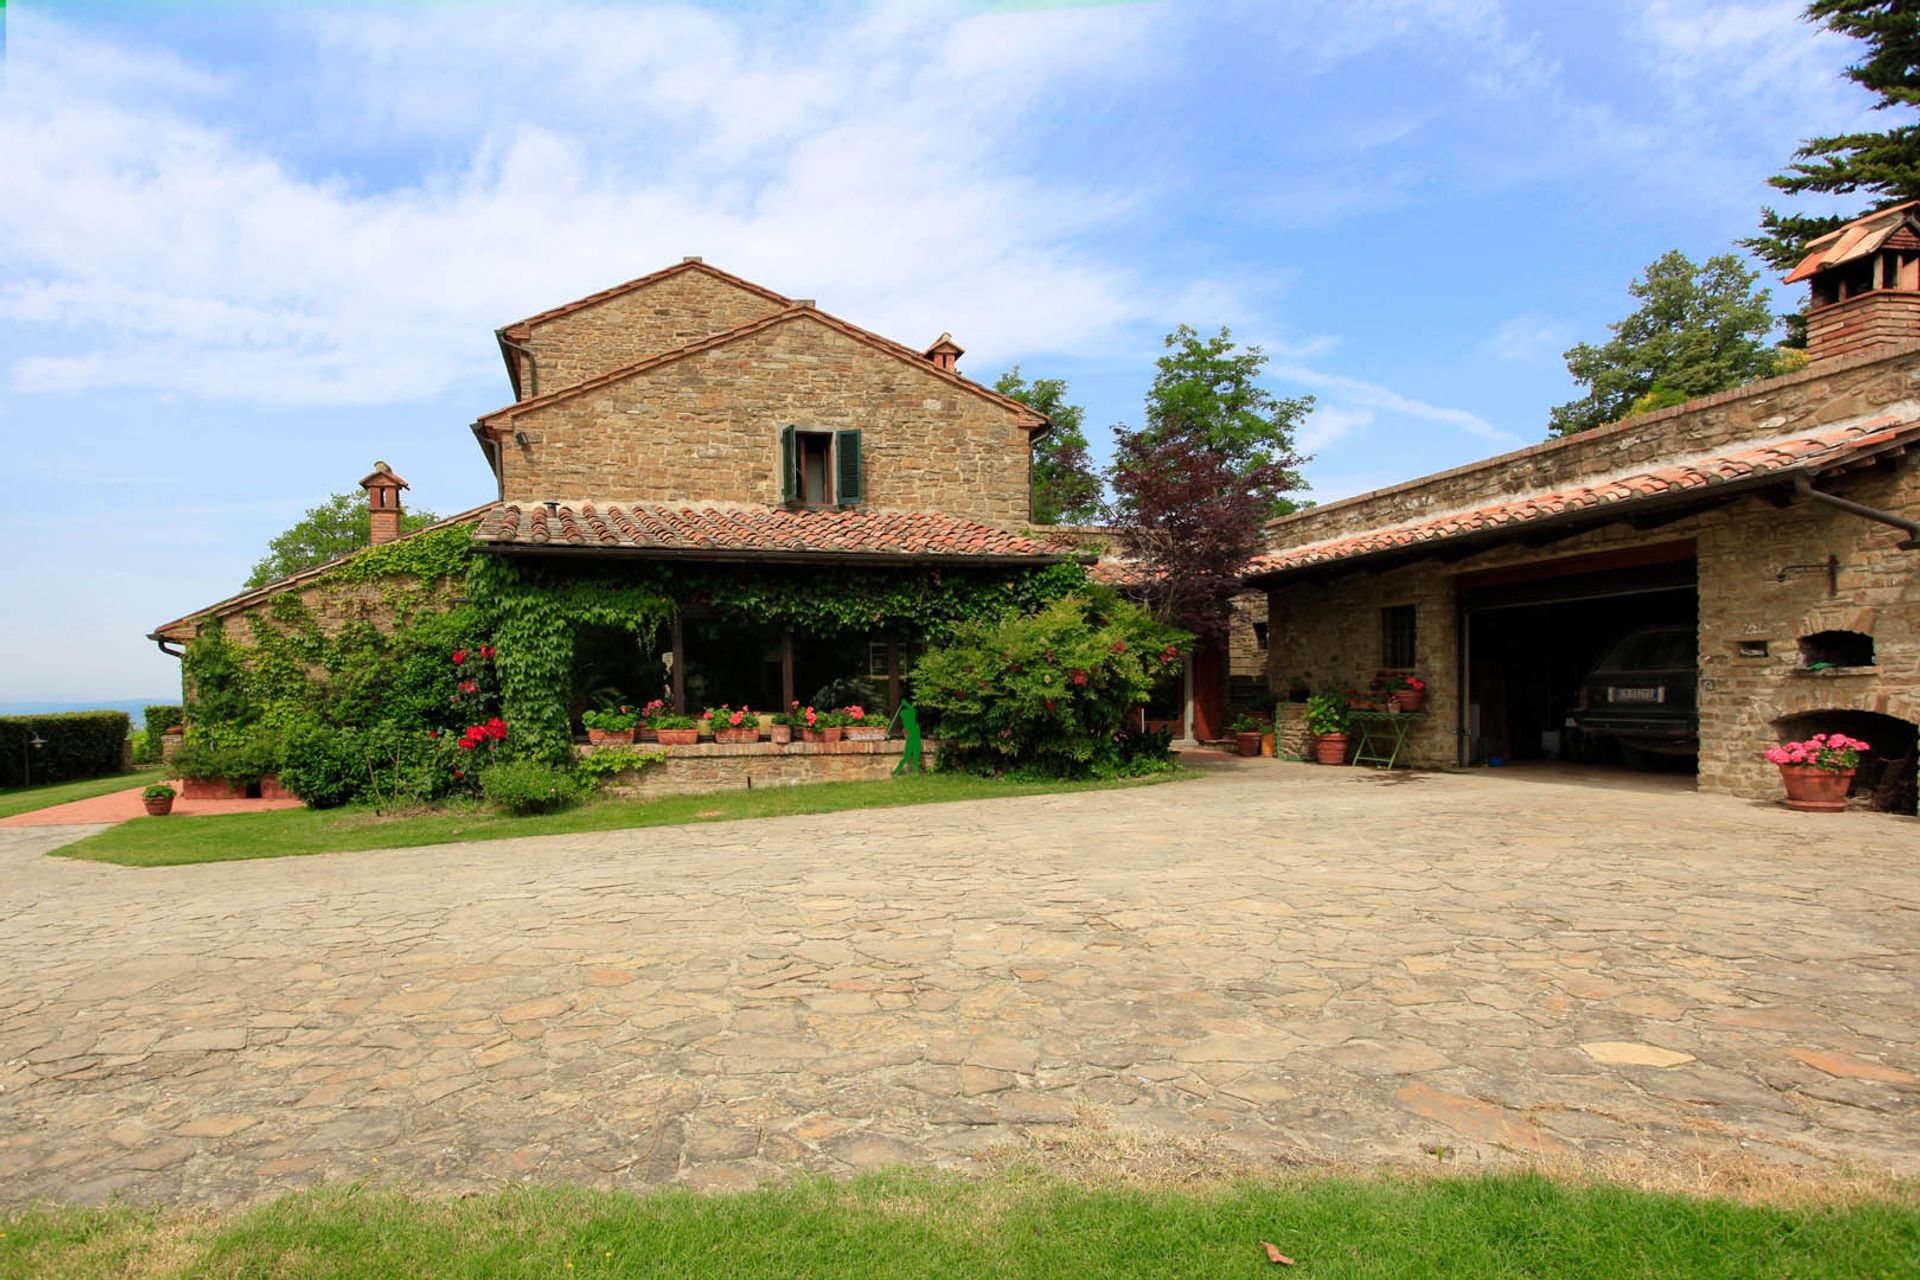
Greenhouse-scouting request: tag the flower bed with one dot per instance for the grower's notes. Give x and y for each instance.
(718, 766)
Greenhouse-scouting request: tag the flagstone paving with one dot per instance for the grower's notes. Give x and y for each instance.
(1285, 962)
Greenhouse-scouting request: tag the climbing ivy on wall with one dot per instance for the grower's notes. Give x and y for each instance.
(390, 665)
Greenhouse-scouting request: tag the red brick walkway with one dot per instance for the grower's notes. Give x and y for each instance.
(118, 806)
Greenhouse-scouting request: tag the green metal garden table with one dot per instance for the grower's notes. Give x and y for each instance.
(1382, 735)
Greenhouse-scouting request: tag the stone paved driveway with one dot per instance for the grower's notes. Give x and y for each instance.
(1291, 963)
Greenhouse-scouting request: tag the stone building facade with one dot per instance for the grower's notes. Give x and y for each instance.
(1776, 521)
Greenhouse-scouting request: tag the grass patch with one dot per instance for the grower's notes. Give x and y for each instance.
(27, 799)
(175, 840)
(903, 1224)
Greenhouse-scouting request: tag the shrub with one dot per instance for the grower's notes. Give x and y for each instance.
(325, 767)
(526, 787)
(159, 791)
(1326, 714)
(76, 744)
(593, 769)
(611, 721)
(242, 756)
(1048, 692)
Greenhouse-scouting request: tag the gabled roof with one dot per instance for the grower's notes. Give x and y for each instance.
(253, 595)
(1856, 239)
(522, 328)
(1030, 417)
(1675, 484)
(720, 531)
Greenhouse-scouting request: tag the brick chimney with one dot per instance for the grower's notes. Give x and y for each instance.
(945, 352)
(1866, 284)
(383, 502)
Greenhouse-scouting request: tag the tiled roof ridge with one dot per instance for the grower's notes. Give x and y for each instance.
(1746, 459)
(1766, 386)
(519, 328)
(792, 312)
(696, 525)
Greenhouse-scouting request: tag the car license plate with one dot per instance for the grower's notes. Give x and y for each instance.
(1654, 694)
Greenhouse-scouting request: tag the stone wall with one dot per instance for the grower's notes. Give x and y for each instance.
(1820, 395)
(707, 428)
(669, 313)
(713, 766)
(1330, 633)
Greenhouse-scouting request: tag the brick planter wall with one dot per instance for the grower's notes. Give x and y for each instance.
(712, 766)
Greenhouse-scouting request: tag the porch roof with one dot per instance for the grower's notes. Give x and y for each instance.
(713, 531)
(1650, 495)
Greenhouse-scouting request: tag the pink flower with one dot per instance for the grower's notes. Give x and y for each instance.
(734, 719)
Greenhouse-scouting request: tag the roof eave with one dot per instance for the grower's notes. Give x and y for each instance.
(740, 556)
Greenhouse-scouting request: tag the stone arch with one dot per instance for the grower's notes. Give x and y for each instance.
(1827, 695)
(1889, 773)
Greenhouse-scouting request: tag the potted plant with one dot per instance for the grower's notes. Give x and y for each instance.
(781, 724)
(1247, 732)
(675, 731)
(158, 800)
(614, 725)
(1406, 693)
(1327, 721)
(644, 730)
(733, 724)
(862, 727)
(1818, 772)
(820, 726)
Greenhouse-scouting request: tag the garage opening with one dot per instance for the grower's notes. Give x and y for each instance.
(1885, 779)
(1590, 659)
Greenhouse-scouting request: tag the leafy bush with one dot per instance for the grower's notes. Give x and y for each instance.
(159, 791)
(621, 720)
(525, 787)
(593, 769)
(1326, 714)
(159, 719)
(1047, 692)
(325, 766)
(242, 755)
(75, 744)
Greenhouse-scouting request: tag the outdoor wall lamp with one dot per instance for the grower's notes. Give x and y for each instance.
(26, 757)
(520, 438)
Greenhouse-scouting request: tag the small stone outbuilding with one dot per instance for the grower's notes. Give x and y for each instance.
(1777, 520)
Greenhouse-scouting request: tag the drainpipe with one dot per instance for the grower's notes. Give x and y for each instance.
(1803, 488)
(163, 642)
(533, 362)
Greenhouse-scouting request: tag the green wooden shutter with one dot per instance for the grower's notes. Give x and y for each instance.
(789, 467)
(846, 454)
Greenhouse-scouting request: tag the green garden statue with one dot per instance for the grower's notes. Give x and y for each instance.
(910, 756)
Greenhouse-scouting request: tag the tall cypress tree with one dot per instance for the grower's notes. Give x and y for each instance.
(1884, 167)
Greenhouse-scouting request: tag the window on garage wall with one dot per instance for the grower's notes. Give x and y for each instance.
(1397, 636)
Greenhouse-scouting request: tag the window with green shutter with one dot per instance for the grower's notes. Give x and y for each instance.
(789, 467)
(846, 456)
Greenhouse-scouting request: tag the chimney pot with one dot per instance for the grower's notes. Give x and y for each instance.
(384, 511)
(945, 353)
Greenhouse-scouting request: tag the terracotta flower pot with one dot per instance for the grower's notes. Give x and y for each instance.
(678, 737)
(783, 733)
(736, 736)
(602, 737)
(1330, 748)
(1248, 743)
(646, 733)
(1410, 700)
(821, 735)
(157, 806)
(1269, 745)
(1812, 790)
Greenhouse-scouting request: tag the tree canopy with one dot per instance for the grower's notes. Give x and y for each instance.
(1066, 490)
(1881, 167)
(1196, 484)
(1699, 329)
(337, 526)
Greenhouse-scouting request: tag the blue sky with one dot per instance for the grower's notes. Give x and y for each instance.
(247, 249)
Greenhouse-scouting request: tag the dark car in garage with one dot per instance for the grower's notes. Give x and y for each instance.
(1640, 698)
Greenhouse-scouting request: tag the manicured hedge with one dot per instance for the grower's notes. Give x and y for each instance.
(79, 744)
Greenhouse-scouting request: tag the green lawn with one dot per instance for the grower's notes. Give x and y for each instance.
(27, 799)
(903, 1224)
(175, 840)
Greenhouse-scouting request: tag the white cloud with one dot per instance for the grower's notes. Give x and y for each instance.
(1328, 423)
(874, 167)
(1527, 336)
(1360, 393)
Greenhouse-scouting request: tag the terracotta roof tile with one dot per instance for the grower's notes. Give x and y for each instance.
(1856, 239)
(729, 530)
(1819, 449)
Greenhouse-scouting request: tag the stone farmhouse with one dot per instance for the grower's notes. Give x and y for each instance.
(691, 421)
(1775, 522)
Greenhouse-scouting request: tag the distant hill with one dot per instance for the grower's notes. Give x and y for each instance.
(135, 707)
